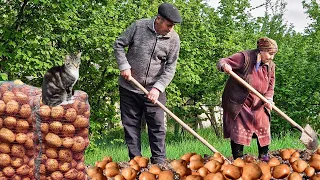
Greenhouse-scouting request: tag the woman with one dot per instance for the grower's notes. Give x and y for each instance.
(245, 115)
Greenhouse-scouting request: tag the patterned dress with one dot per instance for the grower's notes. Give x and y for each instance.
(253, 117)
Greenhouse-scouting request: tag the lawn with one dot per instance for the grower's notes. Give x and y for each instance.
(114, 146)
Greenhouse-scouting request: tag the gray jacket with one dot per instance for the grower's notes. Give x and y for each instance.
(152, 58)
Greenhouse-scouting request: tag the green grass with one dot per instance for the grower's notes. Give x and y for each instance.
(177, 146)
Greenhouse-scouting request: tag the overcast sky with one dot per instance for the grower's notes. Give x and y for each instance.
(293, 15)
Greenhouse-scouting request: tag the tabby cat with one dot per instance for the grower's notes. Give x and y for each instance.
(59, 80)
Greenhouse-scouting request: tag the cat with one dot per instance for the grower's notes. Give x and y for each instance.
(59, 80)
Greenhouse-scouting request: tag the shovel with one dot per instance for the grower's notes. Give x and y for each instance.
(308, 137)
(179, 120)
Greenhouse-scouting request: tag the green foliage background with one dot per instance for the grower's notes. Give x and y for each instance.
(36, 35)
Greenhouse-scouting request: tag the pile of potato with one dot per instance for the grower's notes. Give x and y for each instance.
(191, 166)
(29, 129)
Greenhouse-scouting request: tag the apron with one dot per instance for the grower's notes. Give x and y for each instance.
(253, 118)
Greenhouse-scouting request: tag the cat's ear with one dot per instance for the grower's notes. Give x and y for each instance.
(79, 55)
(67, 58)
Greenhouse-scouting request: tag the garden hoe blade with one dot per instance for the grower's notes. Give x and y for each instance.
(309, 138)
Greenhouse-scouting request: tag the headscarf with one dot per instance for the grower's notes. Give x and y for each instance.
(268, 44)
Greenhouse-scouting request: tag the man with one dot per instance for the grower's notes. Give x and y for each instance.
(245, 115)
(153, 50)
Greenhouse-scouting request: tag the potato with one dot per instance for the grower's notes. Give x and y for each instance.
(177, 163)
(29, 143)
(147, 176)
(273, 162)
(16, 162)
(294, 176)
(111, 171)
(84, 132)
(55, 127)
(79, 106)
(10, 122)
(231, 171)
(26, 159)
(203, 171)
(79, 144)
(281, 171)
(21, 138)
(315, 177)
(5, 160)
(23, 170)
(315, 163)
(45, 112)
(21, 98)
(299, 165)
(309, 171)
(81, 175)
(196, 164)
(143, 162)
(83, 96)
(8, 96)
(25, 111)
(213, 166)
(52, 165)
(86, 114)
(44, 128)
(42, 169)
(285, 154)
(71, 115)
(67, 142)
(18, 150)
(2, 107)
(81, 122)
(22, 126)
(129, 173)
(8, 171)
(5, 148)
(239, 162)
(64, 166)
(12, 107)
(166, 175)
(80, 166)
(71, 174)
(68, 130)
(196, 157)
(154, 169)
(65, 155)
(31, 162)
(57, 112)
(251, 171)
(31, 119)
(183, 171)
(80, 155)
(73, 163)
(53, 140)
(266, 170)
(6, 135)
(51, 153)
(57, 175)
(187, 156)
(119, 177)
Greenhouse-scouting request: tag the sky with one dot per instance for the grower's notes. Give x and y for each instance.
(293, 15)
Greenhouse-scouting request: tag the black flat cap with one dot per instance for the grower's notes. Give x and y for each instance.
(170, 12)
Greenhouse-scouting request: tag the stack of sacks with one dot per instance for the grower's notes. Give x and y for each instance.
(39, 141)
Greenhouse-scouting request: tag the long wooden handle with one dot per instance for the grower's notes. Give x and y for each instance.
(249, 87)
(178, 120)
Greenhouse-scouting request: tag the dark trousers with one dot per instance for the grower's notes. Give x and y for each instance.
(132, 107)
(237, 150)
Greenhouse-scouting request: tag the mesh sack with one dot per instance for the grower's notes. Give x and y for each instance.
(17, 147)
(62, 137)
